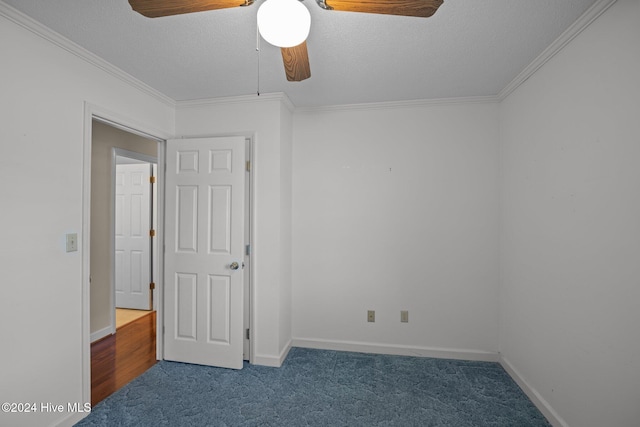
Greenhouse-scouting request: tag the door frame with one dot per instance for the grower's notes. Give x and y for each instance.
(94, 112)
(154, 224)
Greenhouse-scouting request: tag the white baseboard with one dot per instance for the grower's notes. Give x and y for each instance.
(285, 352)
(397, 350)
(71, 419)
(273, 361)
(535, 397)
(95, 336)
(264, 360)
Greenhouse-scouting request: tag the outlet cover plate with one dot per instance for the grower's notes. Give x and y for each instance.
(371, 316)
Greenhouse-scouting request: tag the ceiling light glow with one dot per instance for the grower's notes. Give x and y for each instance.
(284, 23)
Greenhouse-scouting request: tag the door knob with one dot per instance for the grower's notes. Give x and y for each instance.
(234, 265)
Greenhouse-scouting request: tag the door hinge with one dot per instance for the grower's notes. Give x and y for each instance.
(248, 166)
(152, 179)
(247, 334)
(152, 233)
(152, 286)
(247, 250)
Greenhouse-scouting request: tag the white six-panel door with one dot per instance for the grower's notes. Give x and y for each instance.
(132, 240)
(204, 237)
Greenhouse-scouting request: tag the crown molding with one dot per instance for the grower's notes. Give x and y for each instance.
(597, 9)
(241, 99)
(398, 104)
(62, 42)
(55, 38)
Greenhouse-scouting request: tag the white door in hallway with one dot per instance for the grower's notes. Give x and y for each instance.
(204, 251)
(132, 239)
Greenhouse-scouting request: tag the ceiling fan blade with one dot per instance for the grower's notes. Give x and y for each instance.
(158, 8)
(296, 62)
(419, 8)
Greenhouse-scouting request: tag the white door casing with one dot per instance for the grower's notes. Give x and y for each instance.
(205, 185)
(132, 239)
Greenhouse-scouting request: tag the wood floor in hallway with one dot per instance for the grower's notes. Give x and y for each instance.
(126, 315)
(119, 358)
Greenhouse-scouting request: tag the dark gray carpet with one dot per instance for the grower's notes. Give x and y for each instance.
(322, 388)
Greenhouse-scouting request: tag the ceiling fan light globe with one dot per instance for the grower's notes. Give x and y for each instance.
(284, 23)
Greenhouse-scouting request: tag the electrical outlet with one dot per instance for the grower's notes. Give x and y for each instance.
(72, 242)
(404, 316)
(371, 316)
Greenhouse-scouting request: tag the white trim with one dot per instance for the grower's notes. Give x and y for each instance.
(46, 33)
(112, 237)
(254, 255)
(597, 9)
(105, 332)
(55, 38)
(110, 118)
(397, 350)
(121, 152)
(86, 255)
(71, 419)
(535, 397)
(241, 99)
(92, 112)
(264, 360)
(399, 104)
(285, 352)
(250, 217)
(273, 361)
(158, 297)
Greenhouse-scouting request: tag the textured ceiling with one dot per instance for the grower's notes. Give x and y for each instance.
(468, 48)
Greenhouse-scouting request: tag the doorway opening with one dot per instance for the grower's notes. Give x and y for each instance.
(99, 117)
(123, 256)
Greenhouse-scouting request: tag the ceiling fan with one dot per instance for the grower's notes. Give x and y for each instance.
(295, 57)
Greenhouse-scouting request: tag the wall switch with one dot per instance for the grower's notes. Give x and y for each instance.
(72, 242)
(371, 316)
(404, 316)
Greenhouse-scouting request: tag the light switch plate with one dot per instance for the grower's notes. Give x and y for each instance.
(72, 242)
(404, 316)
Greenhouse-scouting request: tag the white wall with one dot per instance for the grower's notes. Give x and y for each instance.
(262, 117)
(570, 299)
(44, 89)
(396, 208)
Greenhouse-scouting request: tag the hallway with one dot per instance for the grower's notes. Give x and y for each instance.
(119, 358)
